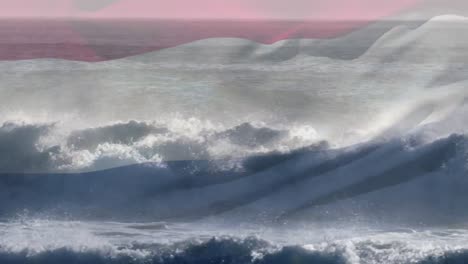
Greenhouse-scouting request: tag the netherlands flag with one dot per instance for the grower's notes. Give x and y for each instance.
(170, 113)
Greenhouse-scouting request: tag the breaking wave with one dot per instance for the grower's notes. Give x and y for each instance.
(315, 182)
(41, 241)
(48, 148)
(215, 251)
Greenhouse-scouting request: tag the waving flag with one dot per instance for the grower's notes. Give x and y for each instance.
(233, 131)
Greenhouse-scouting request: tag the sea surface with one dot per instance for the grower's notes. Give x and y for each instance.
(131, 142)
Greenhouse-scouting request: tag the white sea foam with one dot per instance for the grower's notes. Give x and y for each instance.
(112, 240)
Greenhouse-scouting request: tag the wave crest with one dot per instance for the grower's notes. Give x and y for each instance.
(47, 148)
(232, 250)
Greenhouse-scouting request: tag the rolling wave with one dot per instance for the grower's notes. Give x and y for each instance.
(50, 148)
(43, 241)
(214, 251)
(264, 188)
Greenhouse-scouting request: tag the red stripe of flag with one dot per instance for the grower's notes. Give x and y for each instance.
(75, 40)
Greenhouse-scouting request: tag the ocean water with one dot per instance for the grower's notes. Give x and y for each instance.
(351, 149)
(45, 241)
